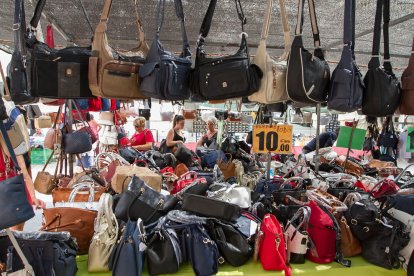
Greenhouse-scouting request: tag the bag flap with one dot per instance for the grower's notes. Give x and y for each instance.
(147, 69)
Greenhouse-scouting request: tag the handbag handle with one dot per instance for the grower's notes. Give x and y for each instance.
(304, 213)
(6, 139)
(180, 14)
(188, 175)
(19, 28)
(296, 179)
(327, 201)
(285, 24)
(78, 187)
(205, 26)
(351, 198)
(314, 22)
(27, 267)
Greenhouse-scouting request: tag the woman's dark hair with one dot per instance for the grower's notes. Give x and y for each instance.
(178, 118)
(89, 117)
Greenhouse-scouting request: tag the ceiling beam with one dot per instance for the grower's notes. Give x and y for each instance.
(370, 31)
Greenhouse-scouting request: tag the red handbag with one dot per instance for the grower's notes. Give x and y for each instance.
(272, 250)
(384, 187)
(185, 180)
(95, 104)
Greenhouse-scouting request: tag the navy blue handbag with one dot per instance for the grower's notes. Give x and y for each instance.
(267, 187)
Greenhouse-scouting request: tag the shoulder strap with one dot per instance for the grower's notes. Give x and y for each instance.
(9, 146)
(348, 22)
(314, 23)
(267, 19)
(37, 13)
(375, 58)
(19, 25)
(286, 29)
(386, 13)
(205, 26)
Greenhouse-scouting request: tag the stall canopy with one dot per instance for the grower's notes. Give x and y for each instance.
(75, 20)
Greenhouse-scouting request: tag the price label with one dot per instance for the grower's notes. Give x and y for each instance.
(275, 139)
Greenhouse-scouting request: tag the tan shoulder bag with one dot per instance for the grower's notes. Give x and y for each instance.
(273, 84)
(111, 74)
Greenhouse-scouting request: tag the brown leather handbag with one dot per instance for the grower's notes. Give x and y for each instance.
(407, 85)
(180, 169)
(228, 168)
(78, 222)
(62, 194)
(111, 74)
(45, 182)
(350, 245)
(53, 135)
(190, 114)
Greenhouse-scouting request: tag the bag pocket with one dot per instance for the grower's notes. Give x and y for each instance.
(150, 74)
(93, 71)
(177, 79)
(120, 79)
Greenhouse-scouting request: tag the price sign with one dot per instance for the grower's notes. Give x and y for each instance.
(275, 139)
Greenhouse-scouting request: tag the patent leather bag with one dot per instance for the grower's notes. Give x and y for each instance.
(347, 87)
(382, 94)
(165, 75)
(113, 74)
(273, 84)
(225, 77)
(14, 202)
(57, 73)
(308, 74)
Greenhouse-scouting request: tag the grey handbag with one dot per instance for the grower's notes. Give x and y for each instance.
(347, 87)
(165, 75)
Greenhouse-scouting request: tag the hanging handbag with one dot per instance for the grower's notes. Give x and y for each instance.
(57, 73)
(382, 94)
(307, 77)
(112, 74)
(273, 84)
(45, 182)
(232, 245)
(43, 121)
(19, 67)
(14, 202)
(105, 236)
(190, 114)
(224, 77)
(28, 269)
(407, 87)
(165, 75)
(297, 237)
(76, 142)
(347, 87)
(272, 252)
(127, 258)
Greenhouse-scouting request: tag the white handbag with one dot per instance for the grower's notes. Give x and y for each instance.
(235, 194)
(105, 236)
(108, 136)
(273, 83)
(28, 269)
(297, 238)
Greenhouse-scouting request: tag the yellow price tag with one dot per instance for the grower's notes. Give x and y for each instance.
(275, 139)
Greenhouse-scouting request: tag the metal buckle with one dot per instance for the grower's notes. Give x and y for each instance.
(366, 229)
(354, 221)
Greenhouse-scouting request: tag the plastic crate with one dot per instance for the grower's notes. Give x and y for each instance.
(40, 156)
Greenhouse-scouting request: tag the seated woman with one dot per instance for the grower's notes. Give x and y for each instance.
(175, 135)
(142, 138)
(209, 139)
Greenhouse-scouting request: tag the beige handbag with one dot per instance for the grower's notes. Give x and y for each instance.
(104, 239)
(27, 269)
(239, 170)
(123, 175)
(43, 121)
(115, 75)
(273, 83)
(45, 182)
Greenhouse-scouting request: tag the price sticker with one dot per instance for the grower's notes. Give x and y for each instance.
(275, 139)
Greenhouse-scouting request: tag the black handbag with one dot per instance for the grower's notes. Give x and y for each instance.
(57, 73)
(76, 142)
(209, 207)
(232, 245)
(48, 253)
(221, 114)
(165, 75)
(298, 192)
(145, 112)
(164, 254)
(347, 87)
(141, 201)
(19, 67)
(127, 257)
(184, 155)
(307, 74)
(14, 204)
(224, 77)
(230, 146)
(382, 94)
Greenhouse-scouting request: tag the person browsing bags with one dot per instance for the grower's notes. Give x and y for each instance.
(209, 139)
(175, 135)
(142, 138)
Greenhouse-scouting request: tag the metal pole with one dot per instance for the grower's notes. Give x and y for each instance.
(354, 124)
(70, 120)
(318, 132)
(269, 157)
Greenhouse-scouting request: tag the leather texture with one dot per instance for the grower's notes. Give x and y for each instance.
(112, 74)
(347, 87)
(164, 74)
(209, 207)
(123, 176)
(273, 83)
(382, 94)
(308, 74)
(63, 194)
(76, 142)
(226, 77)
(407, 85)
(105, 236)
(44, 181)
